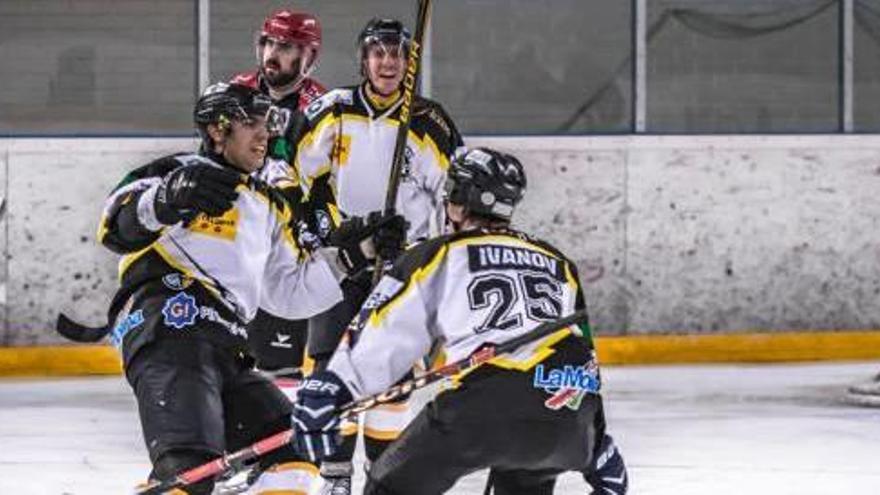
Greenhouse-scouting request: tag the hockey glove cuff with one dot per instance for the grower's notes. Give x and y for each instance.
(315, 418)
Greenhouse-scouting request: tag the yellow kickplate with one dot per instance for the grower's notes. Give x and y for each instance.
(60, 360)
(741, 348)
(642, 349)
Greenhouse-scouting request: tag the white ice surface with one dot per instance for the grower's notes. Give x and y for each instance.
(778, 429)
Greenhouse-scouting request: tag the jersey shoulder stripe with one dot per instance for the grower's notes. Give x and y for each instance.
(431, 120)
(418, 257)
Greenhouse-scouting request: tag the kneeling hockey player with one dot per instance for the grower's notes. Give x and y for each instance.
(527, 416)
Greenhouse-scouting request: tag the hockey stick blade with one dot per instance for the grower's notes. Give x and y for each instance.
(79, 333)
(233, 462)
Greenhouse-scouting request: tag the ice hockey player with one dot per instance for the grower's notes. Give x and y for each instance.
(206, 243)
(529, 415)
(287, 48)
(344, 155)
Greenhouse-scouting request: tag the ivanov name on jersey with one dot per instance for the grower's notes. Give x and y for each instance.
(488, 257)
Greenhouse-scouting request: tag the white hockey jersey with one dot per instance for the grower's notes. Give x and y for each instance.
(460, 291)
(247, 258)
(344, 156)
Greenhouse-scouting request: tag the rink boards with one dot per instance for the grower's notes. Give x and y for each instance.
(680, 238)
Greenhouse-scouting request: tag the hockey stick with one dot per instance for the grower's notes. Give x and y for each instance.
(413, 66)
(78, 332)
(232, 463)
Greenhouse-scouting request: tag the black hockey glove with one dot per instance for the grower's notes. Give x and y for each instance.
(359, 239)
(351, 237)
(190, 190)
(389, 237)
(315, 418)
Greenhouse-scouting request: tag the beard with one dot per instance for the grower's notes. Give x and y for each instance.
(280, 78)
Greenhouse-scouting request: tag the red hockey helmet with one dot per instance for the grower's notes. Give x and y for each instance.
(292, 27)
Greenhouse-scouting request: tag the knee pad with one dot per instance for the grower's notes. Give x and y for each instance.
(174, 462)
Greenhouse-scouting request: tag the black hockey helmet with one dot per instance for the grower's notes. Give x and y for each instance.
(386, 31)
(221, 103)
(487, 182)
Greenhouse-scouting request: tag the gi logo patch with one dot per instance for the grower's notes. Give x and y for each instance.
(567, 385)
(176, 281)
(180, 311)
(125, 325)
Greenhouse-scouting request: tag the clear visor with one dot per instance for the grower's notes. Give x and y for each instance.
(390, 46)
(279, 44)
(271, 46)
(263, 109)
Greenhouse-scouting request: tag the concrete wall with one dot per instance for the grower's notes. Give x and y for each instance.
(671, 234)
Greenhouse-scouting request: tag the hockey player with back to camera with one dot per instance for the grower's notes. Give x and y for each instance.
(287, 48)
(207, 240)
(344, 154)
(528, 415)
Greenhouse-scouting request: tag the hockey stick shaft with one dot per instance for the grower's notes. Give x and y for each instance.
(413, 67)
(232, 463)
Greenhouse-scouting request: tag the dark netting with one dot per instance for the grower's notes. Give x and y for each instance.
(78, 68)
(866, 85)
(725, 20)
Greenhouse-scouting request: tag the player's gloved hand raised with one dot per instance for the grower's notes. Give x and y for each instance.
(195, 189)
(315, 417)
(359, 239)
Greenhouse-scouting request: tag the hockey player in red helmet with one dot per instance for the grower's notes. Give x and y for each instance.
(287, 47)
